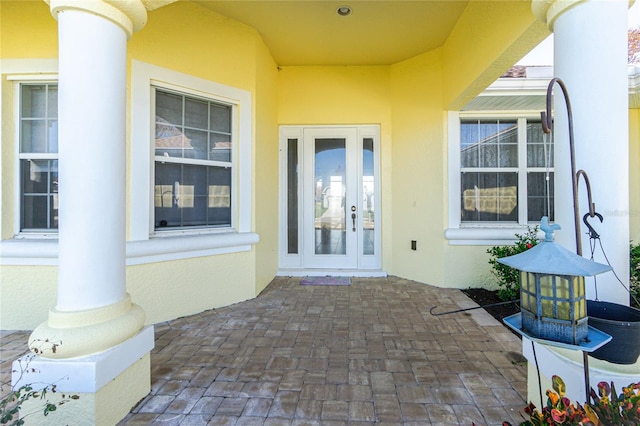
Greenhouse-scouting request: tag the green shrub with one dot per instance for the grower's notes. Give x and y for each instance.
(634, 274)
(509, 278)
(11, 404)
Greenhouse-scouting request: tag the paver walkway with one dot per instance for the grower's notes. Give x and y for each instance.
(368, 353)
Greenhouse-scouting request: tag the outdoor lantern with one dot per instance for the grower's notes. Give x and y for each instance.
(552, 290)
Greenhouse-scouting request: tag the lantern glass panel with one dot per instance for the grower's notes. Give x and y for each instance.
(562, 288)
(546, 286)
(579, 296)
(531, 282)
(564, 311)
(527, 291)
(578, 286)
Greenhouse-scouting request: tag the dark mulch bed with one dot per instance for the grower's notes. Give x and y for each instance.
(487, 297)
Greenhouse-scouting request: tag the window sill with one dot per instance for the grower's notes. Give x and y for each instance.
(184, 247)
(19, 251)
(29, 251)
(483, 236)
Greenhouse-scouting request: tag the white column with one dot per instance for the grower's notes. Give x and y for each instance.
(93, 311)
(92, 161)
(93, 343)
(590, 57)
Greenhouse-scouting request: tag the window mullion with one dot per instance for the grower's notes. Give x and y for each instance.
(209, 148)
(192, 161)
(522, 171)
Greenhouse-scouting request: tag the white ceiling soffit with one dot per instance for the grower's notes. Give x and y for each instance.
(512, 94)
(530, 94)
(507, 103)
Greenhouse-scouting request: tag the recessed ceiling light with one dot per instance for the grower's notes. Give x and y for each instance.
(344, 10)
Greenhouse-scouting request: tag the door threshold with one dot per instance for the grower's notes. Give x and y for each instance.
(361, 273)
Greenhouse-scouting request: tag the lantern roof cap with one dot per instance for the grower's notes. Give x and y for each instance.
(550, 258)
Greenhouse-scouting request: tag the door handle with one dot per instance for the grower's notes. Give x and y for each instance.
(353, 218)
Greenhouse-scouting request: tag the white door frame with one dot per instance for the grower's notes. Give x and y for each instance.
(292, 258)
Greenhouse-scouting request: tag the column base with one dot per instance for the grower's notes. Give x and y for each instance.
(108, 384)
(81, 333)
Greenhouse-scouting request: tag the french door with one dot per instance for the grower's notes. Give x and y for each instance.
(329, 198)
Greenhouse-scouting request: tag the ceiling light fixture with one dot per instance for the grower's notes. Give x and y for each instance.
(344, 10)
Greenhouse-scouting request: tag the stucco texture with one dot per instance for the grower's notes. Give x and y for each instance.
(408, 100)
(171, 289)
(27, 294)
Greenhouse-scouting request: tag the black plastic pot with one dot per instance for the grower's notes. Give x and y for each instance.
(622, 323)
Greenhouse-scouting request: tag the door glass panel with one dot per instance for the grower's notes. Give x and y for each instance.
(368, 218)
(330, 191)
(292, 196)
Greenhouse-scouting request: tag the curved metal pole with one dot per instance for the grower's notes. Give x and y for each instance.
(546, 127)
(592, 205)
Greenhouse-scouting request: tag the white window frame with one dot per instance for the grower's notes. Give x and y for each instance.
(31, 248)
(19, 71)
(231, 164)
(485, 233)
(199, 241)
(20, 81)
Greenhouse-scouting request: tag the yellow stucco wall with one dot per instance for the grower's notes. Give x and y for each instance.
(418, 168)
(27, 294)
(28, 29)
(196, 41)
(265, 165)
(334, 95)
(172, 289)
(489, 37)
(227, 52)
(7, 168)
(468, 267)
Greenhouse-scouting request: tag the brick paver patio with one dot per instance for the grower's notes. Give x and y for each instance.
(368, 353)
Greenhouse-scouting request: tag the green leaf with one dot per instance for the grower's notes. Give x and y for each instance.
(558, 385)
(49, 408)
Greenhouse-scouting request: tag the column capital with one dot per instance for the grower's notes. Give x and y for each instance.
(130, 15)
(547, 11)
